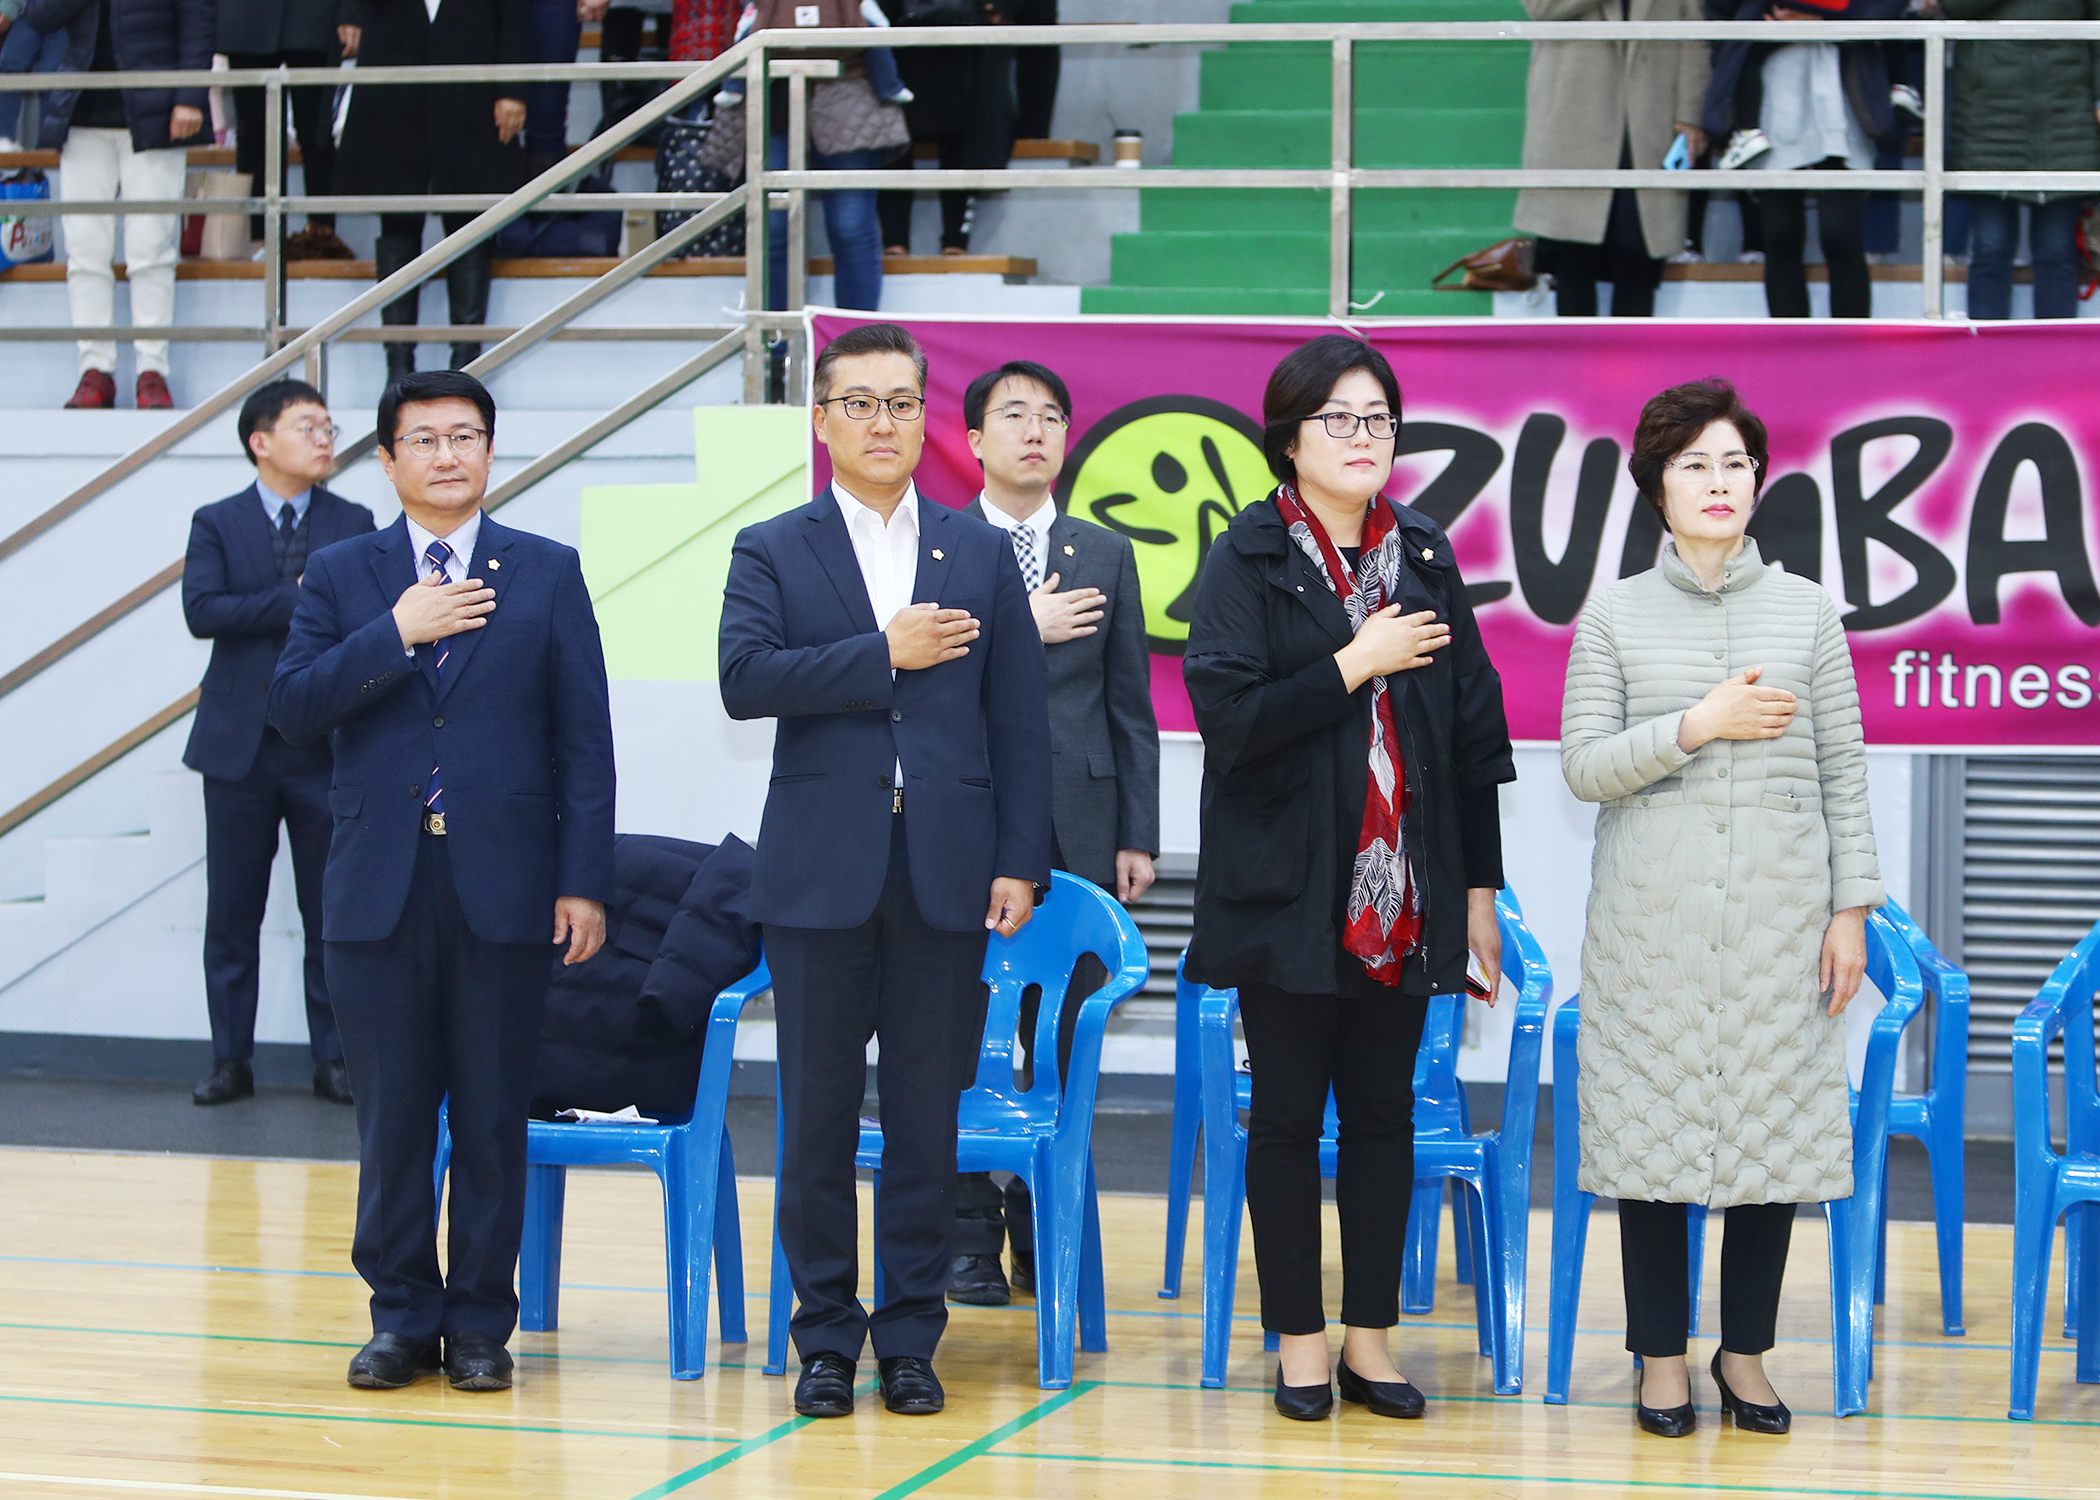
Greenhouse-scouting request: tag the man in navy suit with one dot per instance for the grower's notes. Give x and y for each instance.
(456, 665)
(909, 813)
(240, 584)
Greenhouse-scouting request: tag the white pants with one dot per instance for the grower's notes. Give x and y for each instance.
(101, 165)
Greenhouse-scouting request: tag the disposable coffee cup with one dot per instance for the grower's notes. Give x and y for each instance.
(1130, 148)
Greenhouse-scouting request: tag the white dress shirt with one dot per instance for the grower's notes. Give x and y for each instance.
(273, 504)
(461, 541)
(888, 554)
(1039, 523)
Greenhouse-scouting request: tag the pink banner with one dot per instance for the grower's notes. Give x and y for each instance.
(1932, 477)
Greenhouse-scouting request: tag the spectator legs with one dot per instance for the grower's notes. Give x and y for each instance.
(467, 282)
(100, 165)
(1785, 218)
(1994, 233)
(1578, 267)
(851, 223)
(2052, 239)
(1845, 252)
(400, 241)
(895, 207)
(1035, 73)
(313, 121)
(552, 36)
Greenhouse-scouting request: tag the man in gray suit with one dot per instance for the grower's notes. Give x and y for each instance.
(1104, 767)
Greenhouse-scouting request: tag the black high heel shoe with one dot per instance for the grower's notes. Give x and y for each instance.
(1303, 1403)
(1385, 1398)
(1663, 1421)
(1774, 1420)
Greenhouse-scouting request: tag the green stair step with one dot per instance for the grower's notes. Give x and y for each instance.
(1365, 12)
(1283, 258)
(1390, 75)
(1155, 301)
(1384, 138)
(1485, 212)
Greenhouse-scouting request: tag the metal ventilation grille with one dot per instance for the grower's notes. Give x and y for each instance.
(2030, 883)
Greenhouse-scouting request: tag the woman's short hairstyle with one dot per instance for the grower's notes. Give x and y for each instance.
(1672, 422)
(1300, 385)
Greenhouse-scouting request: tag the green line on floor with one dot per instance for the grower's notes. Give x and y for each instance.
(997, 1435)
(749, 1446)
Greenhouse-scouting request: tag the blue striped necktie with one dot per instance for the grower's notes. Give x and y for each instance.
(435, 556)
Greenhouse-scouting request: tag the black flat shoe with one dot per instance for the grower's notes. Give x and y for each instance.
(228, 1081)
(1385, 1398)
(332, 1082)
(1774, 1420)
(909, 1386)
(390, 1361)
(977, 1281)
(826, 1386)
(476, 1362)
(1303, 1403)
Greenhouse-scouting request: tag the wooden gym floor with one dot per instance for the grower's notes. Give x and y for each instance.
(176, 1326)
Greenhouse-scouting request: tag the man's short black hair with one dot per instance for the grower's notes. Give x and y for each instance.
(868, 338)
(266, 403)
(980, 391)
(433, 385)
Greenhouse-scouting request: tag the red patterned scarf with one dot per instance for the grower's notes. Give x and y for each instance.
(1385, 907)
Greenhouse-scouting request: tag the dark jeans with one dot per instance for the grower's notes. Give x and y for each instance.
(849, 223)
(2052, 240)
(552, 34)
(1844, 252)
(313, 120)
(1299, 1046)
(1655, 1249)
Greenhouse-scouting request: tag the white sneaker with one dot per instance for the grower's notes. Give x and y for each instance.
(902, 96)
(1744, 147)
(1905, 98)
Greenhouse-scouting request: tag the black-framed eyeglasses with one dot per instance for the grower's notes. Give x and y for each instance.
(863, 408)
(1343, 424)
(463, 441)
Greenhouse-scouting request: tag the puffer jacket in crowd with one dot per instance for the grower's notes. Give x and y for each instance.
(1710, 1071)
(147, 36)
(2023, 106)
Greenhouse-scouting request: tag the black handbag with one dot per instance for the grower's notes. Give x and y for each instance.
(680, 168)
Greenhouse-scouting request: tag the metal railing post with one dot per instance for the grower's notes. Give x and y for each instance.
(756, 212)
(1933, 250)
(273, 211)
(798, 72)
(1340, 281)
(317, 369)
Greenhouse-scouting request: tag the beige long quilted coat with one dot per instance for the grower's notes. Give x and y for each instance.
(1710, 1073)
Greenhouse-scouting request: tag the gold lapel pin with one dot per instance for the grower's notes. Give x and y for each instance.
(937, 554)
(495, 565)
(1068, 549)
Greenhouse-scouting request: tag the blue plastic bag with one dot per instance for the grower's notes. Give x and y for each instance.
(24, 238)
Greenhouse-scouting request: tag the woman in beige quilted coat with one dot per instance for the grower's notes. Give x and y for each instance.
(1711, 710)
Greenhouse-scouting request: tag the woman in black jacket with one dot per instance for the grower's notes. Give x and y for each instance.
(1353, 739)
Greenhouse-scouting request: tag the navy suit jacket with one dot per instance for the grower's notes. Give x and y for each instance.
(519, 723)
(800, 643)
(231, 596)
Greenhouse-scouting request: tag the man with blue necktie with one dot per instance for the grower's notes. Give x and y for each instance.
(455, 663)
(240, 584)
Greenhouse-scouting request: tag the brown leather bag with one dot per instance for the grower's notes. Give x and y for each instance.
(1505, 266)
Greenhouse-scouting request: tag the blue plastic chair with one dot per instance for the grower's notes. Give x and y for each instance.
(1936, 1116)
(1044, 1134)
(696, 1163)
(1492, 1168)
(1854, 1222)
(2049, 1185)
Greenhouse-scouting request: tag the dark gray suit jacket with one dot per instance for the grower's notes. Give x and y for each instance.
(1104, 739)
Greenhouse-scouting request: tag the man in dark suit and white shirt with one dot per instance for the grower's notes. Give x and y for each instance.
(1104, 738)
(240, 584)
(456, 664)
(909, 813)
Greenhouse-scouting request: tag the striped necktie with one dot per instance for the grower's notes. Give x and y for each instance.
(1025, 555)
(435, 556)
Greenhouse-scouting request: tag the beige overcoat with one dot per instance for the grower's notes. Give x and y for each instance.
(1710, 1071)
(1584, 98)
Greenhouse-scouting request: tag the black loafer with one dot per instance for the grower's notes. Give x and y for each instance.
(909, 1386)
(825, 1388)
(229, 1081)
(390, 1361)
(1303, 1403)
(977, 1281)
(332, 1082)
(1385, 1398)
(1774, 1420)
(476, 1362)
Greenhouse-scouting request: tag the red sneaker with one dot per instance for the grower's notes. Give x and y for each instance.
(153, 392)
(97, 391)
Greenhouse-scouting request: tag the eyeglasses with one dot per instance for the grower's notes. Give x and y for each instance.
(1734, 468)
(863, 408)
(465, 442)
(1017, 418)
(1343, 424)
(314, 432)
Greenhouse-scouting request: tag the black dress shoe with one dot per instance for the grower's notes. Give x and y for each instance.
(332, 1082)
(826, 1386)
(390, 1361)
(978, 1281)
(1663, 1421)
(229, 1081)
(1303, 1403)
(1023, 1278)
(1386, 1398)
(476, 1362)
(909, 1386)
(1748, 1416)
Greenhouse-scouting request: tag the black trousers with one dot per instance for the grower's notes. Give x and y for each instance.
(288, 784)
(918, 990)
(1655, 1252)
(1298, 1046)
(434, 1014)
(1785, 217)
(1036, 72)
(313, 119)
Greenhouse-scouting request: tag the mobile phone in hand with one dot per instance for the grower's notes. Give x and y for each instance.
(1477, 980)
(1679, 156)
